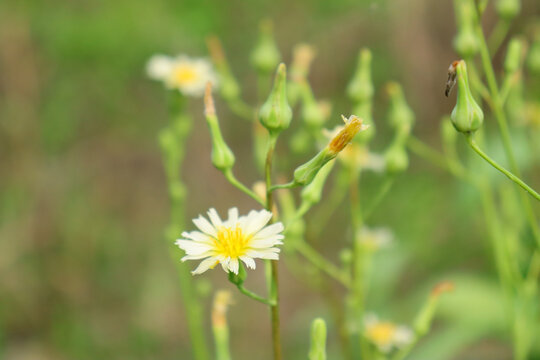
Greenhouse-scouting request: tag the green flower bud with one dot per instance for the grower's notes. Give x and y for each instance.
(467, 115)
(311, 111)
(513, 56)
(240, 278)
(422, 322)
(303, 55)
(265, 57)
(533, 60)
(465, 43)
(229, 87)
(276, 114)
(304, 174)
(346, 257)
(361, 87)
(400, 115)
(222, 156)
(396, 159)
(311, 194)
(508, 9)
(317, 350)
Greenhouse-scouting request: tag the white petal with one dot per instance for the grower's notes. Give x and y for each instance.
(257, 221)
(233, 216)
(193, 247)
(250, 263)
(270, 230)
(214, 218)
(205, 226)
(159, 67)
(204, 265)
(264, 243)
(272, 253)
(198, 236)
(234, 265)
(198, 256)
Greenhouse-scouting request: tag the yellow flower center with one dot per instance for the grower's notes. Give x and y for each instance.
(381, 333)
(183, 75)
(231, 242)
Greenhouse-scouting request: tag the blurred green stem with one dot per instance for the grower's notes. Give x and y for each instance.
(272, 270)
(492, 162)
(322, 263)
(382, 192)
(173, 154)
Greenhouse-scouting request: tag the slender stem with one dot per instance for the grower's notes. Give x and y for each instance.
(503, 124)
(288, 185)
(251, 294)
(232, 179)
(383, 190)
(322, 263)
(274, 280)
(172, 159)
(508, 174)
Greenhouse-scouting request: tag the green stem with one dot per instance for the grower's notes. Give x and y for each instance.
(232, 179)
(194, 314)
(288, 185)
(322, 263)
(383, 191)
(508, 174)
(273, 269)
(251, 294)
(498, 35)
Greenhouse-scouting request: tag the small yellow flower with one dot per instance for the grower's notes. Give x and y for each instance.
(227, 242)
(353, 125)
(188, 75)
(386, 335)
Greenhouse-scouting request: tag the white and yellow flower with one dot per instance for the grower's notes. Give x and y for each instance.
(228, 242)
(386, 335)
(188, 75)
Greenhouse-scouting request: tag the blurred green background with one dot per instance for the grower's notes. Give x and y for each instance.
(84, 268)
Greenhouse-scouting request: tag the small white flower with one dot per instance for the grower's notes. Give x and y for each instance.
(188, 75)
(227, 242)
(375, 238)
(385, 335)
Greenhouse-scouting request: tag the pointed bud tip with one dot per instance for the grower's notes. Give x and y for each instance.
(445, 286)
(209, 108)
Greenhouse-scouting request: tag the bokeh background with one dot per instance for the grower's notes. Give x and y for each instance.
(84, 266)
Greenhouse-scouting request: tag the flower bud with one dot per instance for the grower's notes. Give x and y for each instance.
(303, 55)
(513, 56)
(265, 57)
(465, 43)
(311, 194)
(317, 350)
(312, 113)
(508, 9)
(422, 322)
(400, 114)
(222, 156)
(396, 159)
(467, 115)
(361, 87)
(276, 114)
(304, 174)
(229, 87)
(238, 279)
